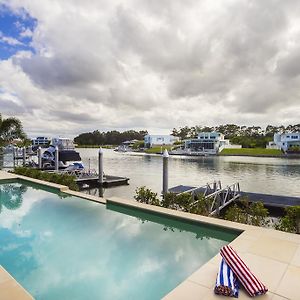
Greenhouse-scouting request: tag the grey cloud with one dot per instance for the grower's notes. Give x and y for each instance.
(124, 60)
(81, 117)
(10, 107)
(62, 71)
(289, 65)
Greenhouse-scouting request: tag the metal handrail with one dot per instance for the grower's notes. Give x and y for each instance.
(222, 197)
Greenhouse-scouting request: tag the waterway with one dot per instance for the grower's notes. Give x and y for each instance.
(278, 176)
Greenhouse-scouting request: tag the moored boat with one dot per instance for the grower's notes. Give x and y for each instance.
(67, 156)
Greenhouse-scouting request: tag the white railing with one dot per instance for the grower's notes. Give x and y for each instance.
(207, 189)
(218, 196)
(223, 197)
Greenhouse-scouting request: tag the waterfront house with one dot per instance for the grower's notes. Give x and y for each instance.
(286, 141)
(40, 141)
(207, 143)
(152, 140)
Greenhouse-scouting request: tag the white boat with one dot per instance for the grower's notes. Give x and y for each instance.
(189, 152)
(126, 146)
(67, 156)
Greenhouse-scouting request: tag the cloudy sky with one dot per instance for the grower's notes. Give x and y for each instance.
(73, 66)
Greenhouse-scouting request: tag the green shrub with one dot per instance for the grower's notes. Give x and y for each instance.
(201, 206)
(63, 179)
(180, 202)
(145, 195)
(258, 214)
(294, 148)
(236, 214)
(291, 221)
(253, 214)
(169, 200)
(185, 201)
(138, 145)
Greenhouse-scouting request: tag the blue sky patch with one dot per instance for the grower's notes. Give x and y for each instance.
(15, 31)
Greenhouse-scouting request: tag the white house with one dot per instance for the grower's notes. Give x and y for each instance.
(40, 141)
(207, 143)
(285, 141)
(151, 140)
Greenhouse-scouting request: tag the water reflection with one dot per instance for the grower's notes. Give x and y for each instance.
(11, 196)
(96, 191)
(174, 225)
(53, 235)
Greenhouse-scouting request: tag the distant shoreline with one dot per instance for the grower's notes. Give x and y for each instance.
(261, 155)
(96, 146)
(238, 153)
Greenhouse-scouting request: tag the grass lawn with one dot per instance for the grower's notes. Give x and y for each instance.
(96, 146)
(252, 152)
(158, 149)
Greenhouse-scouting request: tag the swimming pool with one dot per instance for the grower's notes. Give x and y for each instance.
(62, 247)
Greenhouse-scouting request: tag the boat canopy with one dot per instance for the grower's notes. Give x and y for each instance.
(69, 155)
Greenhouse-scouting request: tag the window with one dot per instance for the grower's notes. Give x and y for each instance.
(295, 137)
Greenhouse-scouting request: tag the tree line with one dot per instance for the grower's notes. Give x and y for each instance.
(10, 129)
(108, 138)
(247, 136)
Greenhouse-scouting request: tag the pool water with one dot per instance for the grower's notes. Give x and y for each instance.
(63, 247)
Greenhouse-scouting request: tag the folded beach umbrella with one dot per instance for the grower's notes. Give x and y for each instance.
(250, 282)
(226, 283)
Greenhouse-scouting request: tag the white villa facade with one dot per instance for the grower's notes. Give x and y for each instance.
(151, 140)
(285, 141)
(207, 143)
(40, 141)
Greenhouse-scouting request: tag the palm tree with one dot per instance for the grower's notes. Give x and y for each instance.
(10, 128)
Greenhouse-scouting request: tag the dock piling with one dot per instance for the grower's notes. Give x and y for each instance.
(165, 171)
(14, 157)
(40, 157)
(56, 159)
(24, 156)
(100, 165)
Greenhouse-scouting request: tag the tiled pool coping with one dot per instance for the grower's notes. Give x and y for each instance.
(10, 288)
(272, 255)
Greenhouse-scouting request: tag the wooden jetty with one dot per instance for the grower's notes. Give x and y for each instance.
(272, 200)
(87, 179)
(93, 181)
(221, 197)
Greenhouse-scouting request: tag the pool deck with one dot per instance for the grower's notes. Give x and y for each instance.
(10, 288)
(273, 256)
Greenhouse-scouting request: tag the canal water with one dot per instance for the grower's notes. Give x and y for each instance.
(278, 176)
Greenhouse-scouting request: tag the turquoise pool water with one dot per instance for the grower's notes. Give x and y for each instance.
(63, 247)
